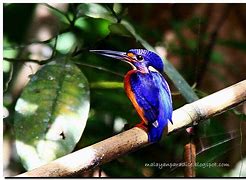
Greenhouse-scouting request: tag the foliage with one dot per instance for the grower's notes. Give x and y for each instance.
(51, 113)
(105, 26)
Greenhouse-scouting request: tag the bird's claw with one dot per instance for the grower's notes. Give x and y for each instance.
(142, 126)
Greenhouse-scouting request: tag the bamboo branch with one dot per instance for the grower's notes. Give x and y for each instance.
(190, 159)
(97, 154)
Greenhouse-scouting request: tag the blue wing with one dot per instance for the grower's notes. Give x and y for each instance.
(153, 96)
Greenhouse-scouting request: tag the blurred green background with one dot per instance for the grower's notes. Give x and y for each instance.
(206, 43)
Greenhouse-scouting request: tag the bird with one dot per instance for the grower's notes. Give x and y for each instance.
(146, 88)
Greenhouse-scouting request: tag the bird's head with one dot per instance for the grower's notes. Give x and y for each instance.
(140, 59)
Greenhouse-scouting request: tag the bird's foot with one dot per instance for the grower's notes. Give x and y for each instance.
(142, 126)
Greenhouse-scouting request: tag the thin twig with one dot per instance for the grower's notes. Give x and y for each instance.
(99, 68)
(21, 60)
(114, 13)
(36, 42)
(45, 61)
(54, 48)
(27, 44)
(135, 138)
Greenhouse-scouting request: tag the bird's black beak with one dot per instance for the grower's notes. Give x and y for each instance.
(114, 54)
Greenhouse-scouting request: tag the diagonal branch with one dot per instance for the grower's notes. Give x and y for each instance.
(135, 138)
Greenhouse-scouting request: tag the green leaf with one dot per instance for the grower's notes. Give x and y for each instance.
(65, 42)
(95, 11)
(107, 85)
(119, 29)
(51, 113)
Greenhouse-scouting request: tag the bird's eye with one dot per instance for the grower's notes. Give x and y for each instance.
(139, 57)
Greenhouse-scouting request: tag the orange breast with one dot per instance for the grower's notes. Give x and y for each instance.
(131, 95)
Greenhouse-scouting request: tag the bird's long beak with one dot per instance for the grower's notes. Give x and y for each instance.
(114, 54)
